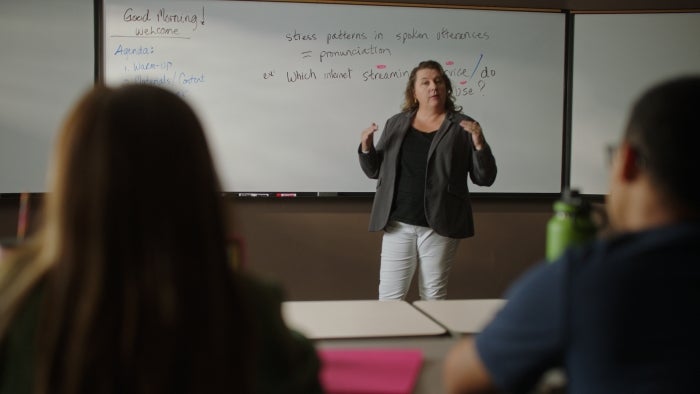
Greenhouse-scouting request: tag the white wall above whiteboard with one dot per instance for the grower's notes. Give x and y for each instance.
(285, 89)
(616, 58)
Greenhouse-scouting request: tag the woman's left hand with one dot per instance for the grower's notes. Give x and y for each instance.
(474, 128)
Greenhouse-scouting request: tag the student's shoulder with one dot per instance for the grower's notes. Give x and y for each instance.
(259, 290)
(288, 360)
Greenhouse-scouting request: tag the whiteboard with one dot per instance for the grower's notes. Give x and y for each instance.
(616, 58)
(285, 89)
(47, 62)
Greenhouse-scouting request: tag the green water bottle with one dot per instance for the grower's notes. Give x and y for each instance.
(572, 224)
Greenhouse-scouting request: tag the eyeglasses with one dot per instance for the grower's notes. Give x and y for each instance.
(610, 151)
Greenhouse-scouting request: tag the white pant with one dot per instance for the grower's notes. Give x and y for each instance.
(405, 246)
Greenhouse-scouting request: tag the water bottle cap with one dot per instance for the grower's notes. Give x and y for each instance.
(571, 195)
(564, 206)
(570, 202)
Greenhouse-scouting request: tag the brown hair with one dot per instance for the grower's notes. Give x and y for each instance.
(409, 102)
(139, 295)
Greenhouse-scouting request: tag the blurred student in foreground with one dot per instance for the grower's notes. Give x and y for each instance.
(127, 287)
(619, 315)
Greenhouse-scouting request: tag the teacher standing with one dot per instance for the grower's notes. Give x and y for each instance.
(421, 164)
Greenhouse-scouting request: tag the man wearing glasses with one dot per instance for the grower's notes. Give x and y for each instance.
(618, 315)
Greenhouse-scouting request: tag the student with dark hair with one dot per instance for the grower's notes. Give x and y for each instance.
(618, 315)
(127, 286)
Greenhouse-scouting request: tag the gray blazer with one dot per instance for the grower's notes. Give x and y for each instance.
(451, 158)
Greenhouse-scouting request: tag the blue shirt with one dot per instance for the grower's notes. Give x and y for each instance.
(619, 315)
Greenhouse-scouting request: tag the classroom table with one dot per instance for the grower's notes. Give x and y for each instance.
(373, 324)
(434, 349)
(358, 319)
(461, 316)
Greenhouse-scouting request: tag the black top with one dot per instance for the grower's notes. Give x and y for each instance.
(408, 204)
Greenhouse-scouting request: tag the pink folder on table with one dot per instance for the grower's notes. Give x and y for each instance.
(369, 371)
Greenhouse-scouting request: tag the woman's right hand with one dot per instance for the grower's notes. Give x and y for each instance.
(367, 139)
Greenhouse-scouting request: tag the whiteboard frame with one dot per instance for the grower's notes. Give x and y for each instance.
(564, 154)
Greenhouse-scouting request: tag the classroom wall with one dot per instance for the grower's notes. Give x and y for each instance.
(320, 248)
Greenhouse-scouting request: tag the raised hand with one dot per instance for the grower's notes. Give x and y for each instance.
(367, 139)
(474, 128)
